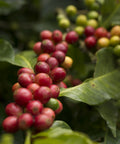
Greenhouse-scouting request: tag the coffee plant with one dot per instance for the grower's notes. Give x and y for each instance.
(60, 75)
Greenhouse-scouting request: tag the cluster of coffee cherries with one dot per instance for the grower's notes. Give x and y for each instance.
(36, 92)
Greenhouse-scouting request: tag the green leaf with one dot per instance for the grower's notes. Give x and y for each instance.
(110, 11)
(60, 135)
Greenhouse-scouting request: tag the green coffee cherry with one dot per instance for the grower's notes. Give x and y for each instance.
(114, 40)
(116, 50)
(64, 23)
(94, 6)
(93, 23)
(81, 20)
(93, 15)
(71, 10)
(60, 16)
(79, 30)
(53, 104)
(89, 2)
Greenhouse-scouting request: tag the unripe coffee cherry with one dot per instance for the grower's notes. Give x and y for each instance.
(25, 121)
(54, 91)
(67, 62)
(60, 108)
(116, 50)
(81, 20)
(42, 122)
(89, 31)
(22, 96)
(93, 15)
(90, 42)
(103, 42)
(52, 62)
(49, 112)
(62, 85)
(37, 48)
(32, 87)
(43, 57)
(57, 36)
(93, 23)
(42, 94)
(43, 79)
(114, 40)
(42, 67)
(34, 107)
(47, 46)
(115, 30)
(13, 109)
(79, 30)
(58, 74)
(59, 55)
(46, 34)
(100, 32)
(10, 124)
(61, 47)
(71, 37)
(64, 23)
(53, 104)
(89, 2)
(71, 10)
(25, 70)
(15, 86)
(25, 79)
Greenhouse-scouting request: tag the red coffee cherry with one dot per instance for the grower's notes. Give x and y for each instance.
(42, 67)
(57, 36)
(15, 86)
(101, 32)
(42, 122)
(10, 124)
(61, 47)
(58, 74)
(25, 79)
(57, 111)
(34, 107)
(42, 94)
(54, 91)
(32, 87)
(89, 31)
(76, 82)
(25, 70)
(46, 34)
(13, 109)
(52, 62)
(47, 46)
(65, 44)
(37, 48)
(25, 121)
(62, 85)
(71, 37)
(49, 112)
(43, 79)
(43, 57)
(90, 42)
(59, 55)
(22, 96)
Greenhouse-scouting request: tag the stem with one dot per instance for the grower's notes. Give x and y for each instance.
(28, 138)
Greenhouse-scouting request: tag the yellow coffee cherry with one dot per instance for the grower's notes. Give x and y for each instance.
(67, 62)
(103, 42)
(115, 30)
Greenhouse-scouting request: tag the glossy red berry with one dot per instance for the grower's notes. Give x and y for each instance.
(57, 36)
(42, 67)
(58, 74)
(42, 122)
(25, 70)
(22, 96)
(59, 55)
(25, 121)
(47, 46)
(76, 82)
(10, 124)
(13, 109)
(65, 44)
(34, 107)
(61, 47)
(46, 34)
(42, 94)
(90, 42)
(37, 48)
(43, 57)
(43, 79)
(60, 108)
(62, 85)
(15, 86)
(101, 32)
(52, 62)
(71, 37)
(25, 79)
(32, 87)
(54, 91)
(89, 31)
(49, 112)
